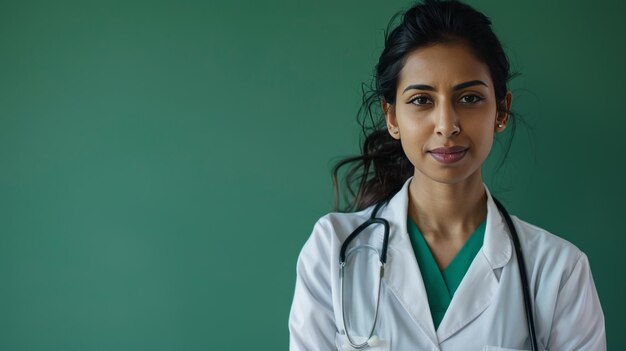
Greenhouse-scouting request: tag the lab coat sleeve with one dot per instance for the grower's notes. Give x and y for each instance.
(578, 322)
(311, 321)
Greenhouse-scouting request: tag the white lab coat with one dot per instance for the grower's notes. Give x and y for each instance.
(486, 312)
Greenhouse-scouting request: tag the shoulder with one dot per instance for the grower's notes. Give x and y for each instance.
(330, 231)
(536, 238)
(548, 256)
(336, 226)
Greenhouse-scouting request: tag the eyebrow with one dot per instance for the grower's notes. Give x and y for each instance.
(455, 88)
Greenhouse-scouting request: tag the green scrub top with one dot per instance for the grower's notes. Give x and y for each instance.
(441, 285)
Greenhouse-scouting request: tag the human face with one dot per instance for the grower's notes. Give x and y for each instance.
(445, 113)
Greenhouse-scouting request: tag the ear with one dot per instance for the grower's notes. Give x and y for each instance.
(503, 113)
(390, 116)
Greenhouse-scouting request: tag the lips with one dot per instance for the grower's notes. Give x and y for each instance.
(448, 155)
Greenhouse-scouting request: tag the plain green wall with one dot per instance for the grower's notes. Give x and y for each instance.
(163, 162)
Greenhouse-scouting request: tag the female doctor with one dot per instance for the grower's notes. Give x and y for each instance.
(434, 264)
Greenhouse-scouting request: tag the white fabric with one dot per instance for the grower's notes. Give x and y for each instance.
(486, 312)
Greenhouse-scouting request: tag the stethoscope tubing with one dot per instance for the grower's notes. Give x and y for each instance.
(383, 259)
(530, 319)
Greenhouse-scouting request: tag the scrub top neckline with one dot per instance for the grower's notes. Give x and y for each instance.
(441, 285)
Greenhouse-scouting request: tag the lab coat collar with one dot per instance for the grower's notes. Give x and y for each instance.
(479, 285)
(497, 245)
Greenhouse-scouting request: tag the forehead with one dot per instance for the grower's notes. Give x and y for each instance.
(443, 65)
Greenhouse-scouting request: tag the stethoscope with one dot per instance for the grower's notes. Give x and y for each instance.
(372, 340)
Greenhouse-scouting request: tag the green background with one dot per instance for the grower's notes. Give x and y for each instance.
(163, 162)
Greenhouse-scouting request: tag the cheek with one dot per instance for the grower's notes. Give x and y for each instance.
(482, 136)
(414, 134)
(414, 140)
(412, 122)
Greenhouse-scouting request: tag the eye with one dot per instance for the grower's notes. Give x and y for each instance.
(470, 99)
(420, 100)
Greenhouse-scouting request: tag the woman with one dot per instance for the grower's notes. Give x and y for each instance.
(452, 278)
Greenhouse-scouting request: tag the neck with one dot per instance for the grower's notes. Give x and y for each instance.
(447, 211)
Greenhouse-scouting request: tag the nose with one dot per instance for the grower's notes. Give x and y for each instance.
(446, 121)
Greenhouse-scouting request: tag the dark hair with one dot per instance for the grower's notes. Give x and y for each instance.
(382, 168)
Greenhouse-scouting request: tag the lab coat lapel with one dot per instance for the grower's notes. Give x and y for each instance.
(480, 283)
(402, 275)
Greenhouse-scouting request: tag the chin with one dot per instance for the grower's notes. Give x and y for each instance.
(452, 176)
